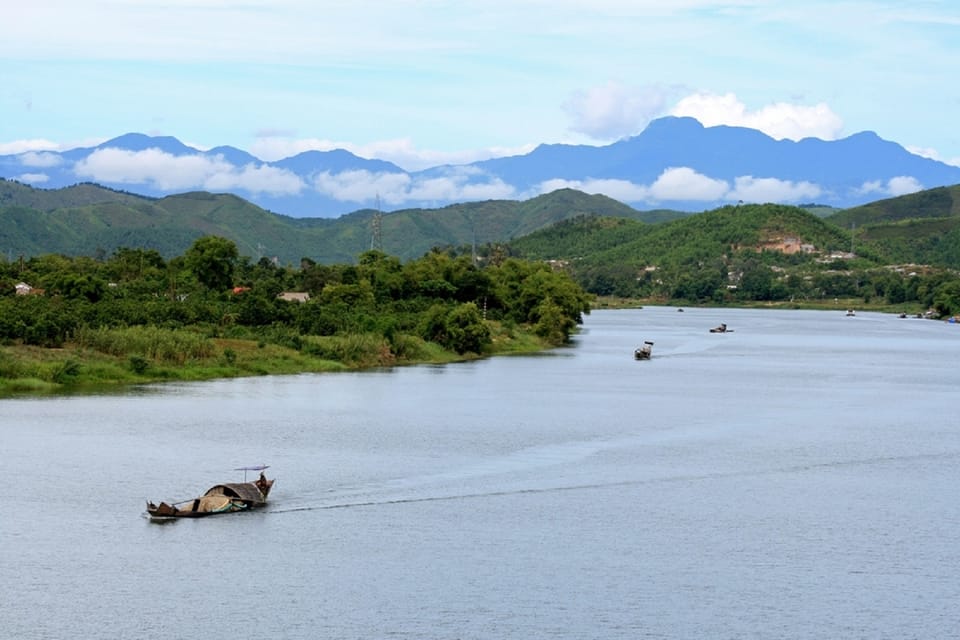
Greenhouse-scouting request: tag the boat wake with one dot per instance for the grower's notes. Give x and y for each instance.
(685, 478)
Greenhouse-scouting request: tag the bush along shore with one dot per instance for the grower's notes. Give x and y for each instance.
(80, 324)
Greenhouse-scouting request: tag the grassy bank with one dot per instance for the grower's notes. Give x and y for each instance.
(104, 359)
(98, 360)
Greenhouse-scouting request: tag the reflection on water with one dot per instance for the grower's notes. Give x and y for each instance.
(790, 479)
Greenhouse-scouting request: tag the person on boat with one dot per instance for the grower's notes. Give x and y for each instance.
(262, 483)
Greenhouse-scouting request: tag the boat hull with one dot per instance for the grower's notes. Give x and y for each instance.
(218, 500)
(644, 352)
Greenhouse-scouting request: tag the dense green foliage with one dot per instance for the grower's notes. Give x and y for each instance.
(919, 228)
(750, 253)
(139, 306)
(902, 250)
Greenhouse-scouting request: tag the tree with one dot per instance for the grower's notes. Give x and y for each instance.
(461, 328)
(552, 325)
(466, 330)
(212, 260)
(946, 298)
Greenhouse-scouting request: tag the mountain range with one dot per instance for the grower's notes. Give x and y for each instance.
(675, 163)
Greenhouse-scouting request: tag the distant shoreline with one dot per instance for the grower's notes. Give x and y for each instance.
(839, 304)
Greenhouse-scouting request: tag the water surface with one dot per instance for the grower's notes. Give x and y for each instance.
(794, 479)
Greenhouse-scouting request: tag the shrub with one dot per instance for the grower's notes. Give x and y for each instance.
(138, 364)
(65, 371)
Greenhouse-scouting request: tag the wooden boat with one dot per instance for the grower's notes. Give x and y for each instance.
(644, 352)
(221, 498)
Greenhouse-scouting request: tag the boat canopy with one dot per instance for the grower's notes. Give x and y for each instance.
(242, 490)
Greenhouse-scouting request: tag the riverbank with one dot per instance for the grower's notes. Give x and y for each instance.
(30, 370)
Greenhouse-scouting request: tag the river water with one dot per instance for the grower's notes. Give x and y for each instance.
(796, 478)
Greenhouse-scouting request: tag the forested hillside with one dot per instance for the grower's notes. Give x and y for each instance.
(87, 220)
(744, 253)
(919, 228)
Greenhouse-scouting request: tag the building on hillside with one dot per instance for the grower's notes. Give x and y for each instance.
(294, 296)
(24, 289)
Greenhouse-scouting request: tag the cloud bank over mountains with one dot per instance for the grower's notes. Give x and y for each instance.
(676, 162)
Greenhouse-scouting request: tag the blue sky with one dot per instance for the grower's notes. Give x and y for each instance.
(426, 82)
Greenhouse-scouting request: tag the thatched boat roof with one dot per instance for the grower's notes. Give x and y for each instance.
(247, 491)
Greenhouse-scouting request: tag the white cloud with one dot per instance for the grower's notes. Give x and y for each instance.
(40, 159)
(871, 187)
(397, 189)
(897, 186)
(17, 147)
(683, 183)
(613, 110)
(363, 186)
(459, 183)
(750, 189)
(675, 183)
(174, 173)
(902, 185)
(150, 166)
(622, 190)
(33, 178)
(493, 190)
(779, 120)
(255, 179)
(22, 146)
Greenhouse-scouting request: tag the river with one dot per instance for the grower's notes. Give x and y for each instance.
(794, 478)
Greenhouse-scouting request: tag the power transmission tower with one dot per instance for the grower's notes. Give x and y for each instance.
(376, 235)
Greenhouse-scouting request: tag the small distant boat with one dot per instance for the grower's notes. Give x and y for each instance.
(644, 352)
(722, 328)
(221, 498)
(851, 312)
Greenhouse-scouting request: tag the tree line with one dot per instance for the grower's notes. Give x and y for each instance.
(441, 297)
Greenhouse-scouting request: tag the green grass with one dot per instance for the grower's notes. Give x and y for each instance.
(105, 358)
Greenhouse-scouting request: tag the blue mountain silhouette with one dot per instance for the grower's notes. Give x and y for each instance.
(841, 173)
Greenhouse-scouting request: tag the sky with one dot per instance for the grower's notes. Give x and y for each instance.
(422, 83)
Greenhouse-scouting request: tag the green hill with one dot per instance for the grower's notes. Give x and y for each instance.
(711, 234)
(13, 193)
(600, 233)
(922, 227)
(702, 251)
(942, 202)
(90, 220)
